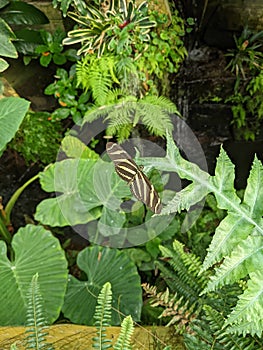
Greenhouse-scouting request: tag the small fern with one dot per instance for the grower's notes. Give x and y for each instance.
(102, 317)
(126, 112)
(98, 75)
(124, 340)
(36, 322)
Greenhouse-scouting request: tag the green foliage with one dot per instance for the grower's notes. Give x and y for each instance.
(64, 5)
(12, 113)
(123, 341)
(247, 108)
(102, 317)
(102, 265)
(72, 101)
(35, 251)
(237, 243)
(38, 138)
(35, 318)
(52, 49)
(114, 28)
(247, 55)
(246, 101)
(21, 17)
(122, 116)
(166, 51)
(7, 48)
(98, 76)
(209, 332)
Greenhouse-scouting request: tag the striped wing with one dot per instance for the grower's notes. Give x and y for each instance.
(128, 170)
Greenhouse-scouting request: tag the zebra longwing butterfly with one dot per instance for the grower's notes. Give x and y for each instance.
(129, 171)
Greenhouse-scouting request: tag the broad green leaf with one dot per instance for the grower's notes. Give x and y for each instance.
(103, 265)
(7, 49)
(111, 222)
(12, 112)
(81, 186)
(36, 251)
(21, 13)
(75, 148)
(67, 208)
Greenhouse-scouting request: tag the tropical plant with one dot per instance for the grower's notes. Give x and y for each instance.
(72, 100)
(247, 56)
(64, 5)
(52, 49)
(247, 108)
(102, 265)
(12, 113)
(44, 147)
(246, 101)
(8, 49)
(113, 28)
(18, 15)
(201, 318)
(124, 112)
(166, 51)
(34, 250)
(236, 245)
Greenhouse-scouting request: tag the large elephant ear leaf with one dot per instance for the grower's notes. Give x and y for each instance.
(36, 251)
(103, 265)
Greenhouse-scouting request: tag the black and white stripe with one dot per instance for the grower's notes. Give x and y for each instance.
(129, 171)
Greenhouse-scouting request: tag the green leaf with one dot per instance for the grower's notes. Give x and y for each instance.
(36, 251)
(21, 13)
(247, 315)
(12, 112)
(82, 184)
(224, 181)
(3, 64)
(253, 197)
(75, 148)
(7, 48)
(103, 265)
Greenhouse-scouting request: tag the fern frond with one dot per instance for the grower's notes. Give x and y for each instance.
(237, 245)
(35, 319)
(124, 339)
(209, 332)
(179, 312)
(102, 317)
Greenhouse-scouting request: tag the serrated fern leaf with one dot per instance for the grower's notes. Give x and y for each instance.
(237, 243)
(242, 261)
(102, 317)
(124, 339)
(35, 319)
(247, 315)
(209, 333)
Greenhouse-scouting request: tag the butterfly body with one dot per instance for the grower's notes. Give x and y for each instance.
(129, 171)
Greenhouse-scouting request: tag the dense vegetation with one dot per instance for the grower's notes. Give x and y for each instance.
(194, 266)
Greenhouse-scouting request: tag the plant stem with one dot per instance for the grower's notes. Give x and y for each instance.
(14, 198)
(4, 232)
